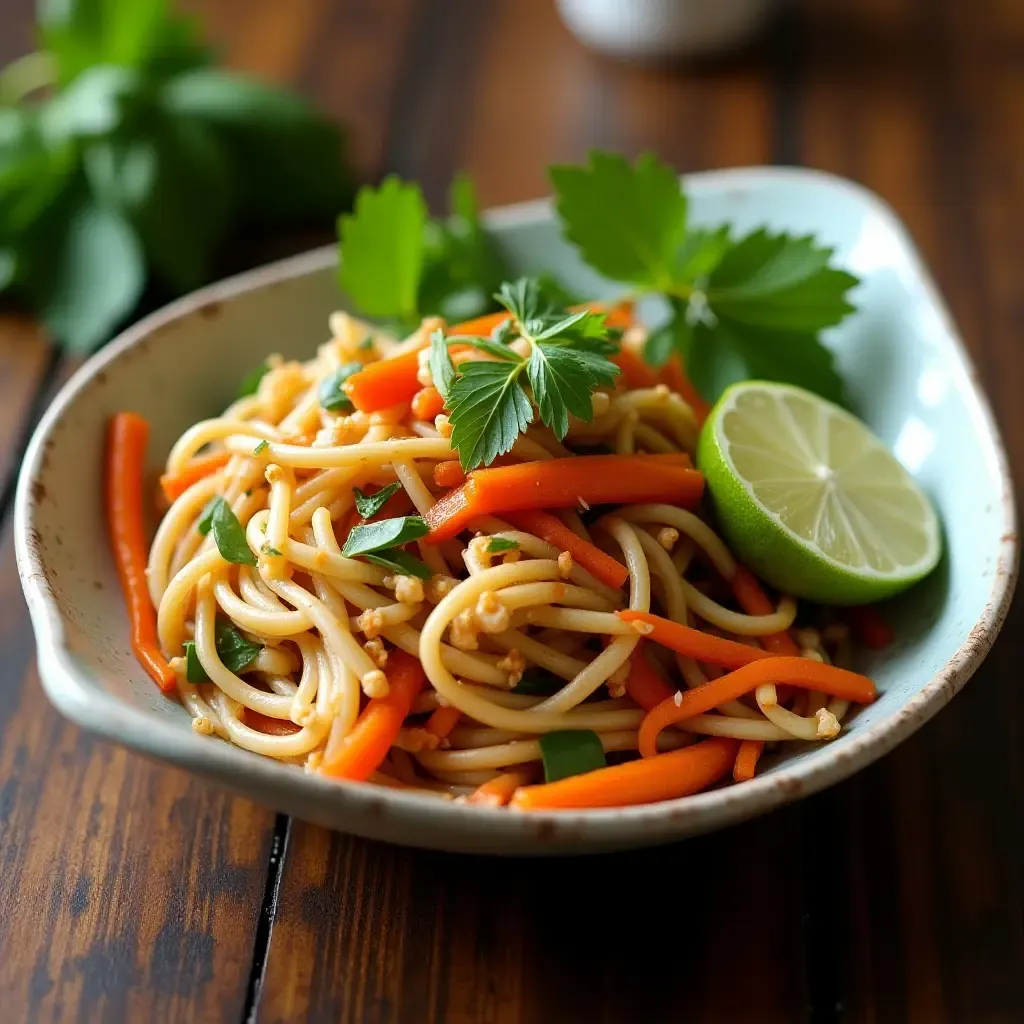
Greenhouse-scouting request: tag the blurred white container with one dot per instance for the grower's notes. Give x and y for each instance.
(646, 29)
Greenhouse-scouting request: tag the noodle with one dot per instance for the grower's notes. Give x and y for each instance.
(520, 638)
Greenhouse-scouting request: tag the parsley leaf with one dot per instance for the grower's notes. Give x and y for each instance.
(229, 535)
(388, 533)
(628, 222)
(488, 410)
(398, 561)
(442, 370)
(368, 505)
(382, 249)
(562, 385)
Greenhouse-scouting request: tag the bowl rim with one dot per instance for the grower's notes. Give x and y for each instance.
(101, 713)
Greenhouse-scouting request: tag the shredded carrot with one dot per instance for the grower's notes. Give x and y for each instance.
(125, 462)
(551, 529)
(479, 326)
(673, 374)
(270, 726)
(174, 485)
(663, 777)
(565, 483)
(442, 721)
(643, 684)
(746, 760)
(498, 791)
(427, 403)
(361, 753)
(638, 373)
(753, 600)
(869, 627)
(802, 672)
(713, 650)
(449, 474)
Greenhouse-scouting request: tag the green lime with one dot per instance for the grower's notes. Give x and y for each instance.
(811, 500)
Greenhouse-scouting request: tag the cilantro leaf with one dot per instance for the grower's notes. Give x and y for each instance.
(442, 370)
(562, 384)
(628, 221)
(388, 533)
(382, 249)
(368, 505)
(229, 535)
(234, 650)
(488, 410)
(194, 671)
(206, 518)
(400, 562)
(330, 394)
(779, 281)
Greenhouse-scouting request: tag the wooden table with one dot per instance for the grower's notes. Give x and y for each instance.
(129, 891)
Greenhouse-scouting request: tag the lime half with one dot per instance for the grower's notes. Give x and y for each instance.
(811, 500)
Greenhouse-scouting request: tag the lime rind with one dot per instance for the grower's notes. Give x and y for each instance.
(811, 500)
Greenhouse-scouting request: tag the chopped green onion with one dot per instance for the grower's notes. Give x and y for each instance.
(538, 682)
(570, 752)
(261, 447)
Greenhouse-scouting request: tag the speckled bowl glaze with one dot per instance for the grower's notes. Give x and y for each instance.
(909, 378)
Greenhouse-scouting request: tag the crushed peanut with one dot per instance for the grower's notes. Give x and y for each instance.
(565, 564)
(667, 537)
(828, 724)
(463, 630)
(439, 587)
(442, 425)
(409, 590)
(370, 623)
(677, 698)
(491, 614)
(377, 651)
(202, 725)
(514, 664)
(375, 684)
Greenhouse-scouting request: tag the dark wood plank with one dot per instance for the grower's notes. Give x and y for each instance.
(923, 851)
(367, 933)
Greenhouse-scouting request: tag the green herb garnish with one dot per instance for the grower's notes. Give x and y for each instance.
(740, 307)
(488, 404)
(330, 393)
(368, 505)
(261, 447)
(570, 752)
(388, 533)
(251, 381)
(140, 161)
(234, 650)
(538, 682)
(229, 535)
(498, 544)
(400, 562)
(206, 519)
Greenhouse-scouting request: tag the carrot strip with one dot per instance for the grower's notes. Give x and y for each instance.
(480, 326)
(361, 753)
(644, 686)
(869, 627)
(499, 790)
(664, 777)
(637, 373)
(449, 474)
(746, 760)
(564, 483)
(174, 485)
(714, 650)
(442, 721)
(427, 403)
(551, 529)
(125, 459)
(753, 600)
(802, 672)
(673, 374)
(270, 726)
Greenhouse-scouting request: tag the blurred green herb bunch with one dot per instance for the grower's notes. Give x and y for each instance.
(127, 157)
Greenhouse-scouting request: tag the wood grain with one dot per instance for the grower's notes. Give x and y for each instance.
(927, 846)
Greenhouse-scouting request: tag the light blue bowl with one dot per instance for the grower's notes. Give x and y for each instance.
(908, 376)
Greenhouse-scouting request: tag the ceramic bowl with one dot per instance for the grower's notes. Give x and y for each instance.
(908, 376)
